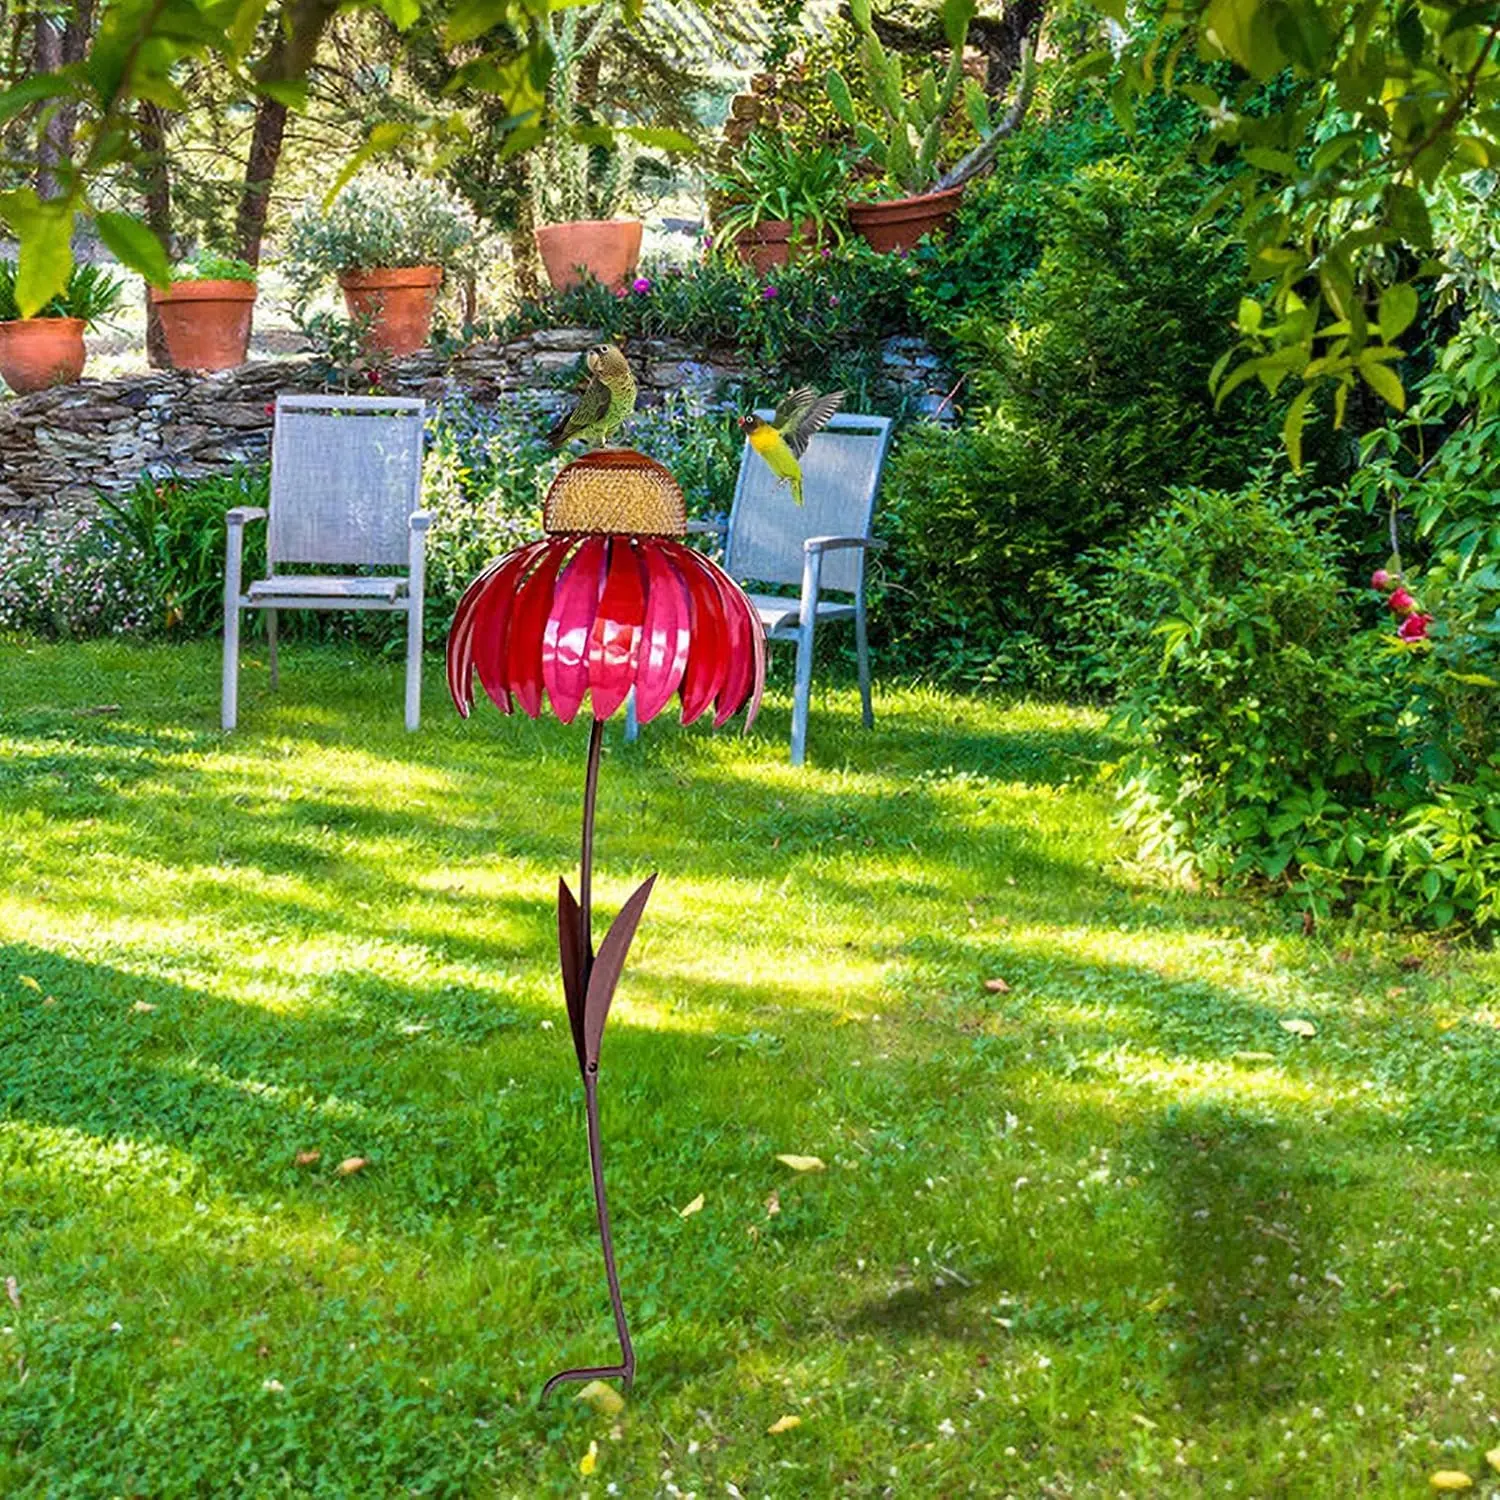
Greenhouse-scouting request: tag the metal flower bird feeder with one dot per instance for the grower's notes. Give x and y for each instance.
(608, 601)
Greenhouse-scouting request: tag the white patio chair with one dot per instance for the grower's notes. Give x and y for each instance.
(346, 484)
(818, 547)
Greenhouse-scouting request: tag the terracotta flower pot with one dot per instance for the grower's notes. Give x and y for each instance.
(899, 223)
(39, 352)
(769, 244)
(400, 299)
(606, 249)
(206, 323)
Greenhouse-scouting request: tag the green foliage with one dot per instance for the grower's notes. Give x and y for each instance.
(917, 115)
(802, 319)
(209, 265)
(1228, 625)
(174, 529)
(772, 180)
(381, 220)
(92, 293)
(1334, 184)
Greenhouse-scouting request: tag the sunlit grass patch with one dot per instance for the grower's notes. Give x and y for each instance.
(1102, 1227)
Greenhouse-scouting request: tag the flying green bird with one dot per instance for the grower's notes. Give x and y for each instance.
(607, 400)
(784, 439)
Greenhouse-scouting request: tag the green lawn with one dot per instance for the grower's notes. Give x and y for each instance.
(1112, 1231)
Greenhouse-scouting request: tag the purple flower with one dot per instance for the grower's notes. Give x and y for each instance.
(769, 293)
(826, 252)
(833, 299)
(708, 242)
(641, 284)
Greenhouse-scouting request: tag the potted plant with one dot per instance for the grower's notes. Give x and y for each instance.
(205, 311)
(387, 239)
(916, 117)
(47, 349)
(580, 187)
(780, 202)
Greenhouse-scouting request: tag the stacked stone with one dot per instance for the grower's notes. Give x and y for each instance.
(59, 449)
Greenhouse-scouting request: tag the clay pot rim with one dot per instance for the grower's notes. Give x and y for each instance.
(588, 223)
(427, 275)
(226, 289)
(920, 202)
(79, 323)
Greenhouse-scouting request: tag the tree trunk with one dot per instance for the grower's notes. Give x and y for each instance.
(289, 58)
(157, 191)
(260, 172)
(52, 146)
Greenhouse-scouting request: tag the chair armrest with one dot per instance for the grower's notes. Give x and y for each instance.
(242, 513)
(420, 520)
(716, 527)
(820, 544)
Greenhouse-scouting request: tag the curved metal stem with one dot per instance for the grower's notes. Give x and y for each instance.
(626, 1368)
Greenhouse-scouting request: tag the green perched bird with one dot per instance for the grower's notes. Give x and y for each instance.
(784, 439)
(607, 400)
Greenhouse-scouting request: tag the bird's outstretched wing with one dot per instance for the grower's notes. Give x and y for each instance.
(792, 407)
(813, 419)
(592, 407)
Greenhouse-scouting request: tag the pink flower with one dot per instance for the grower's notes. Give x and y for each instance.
(769, 293)
(621, 292)
(641, 284)
(1414, 627)
(1380, 579)
(1402, 602)
(708, 242)
(270, 408)
(833, 299)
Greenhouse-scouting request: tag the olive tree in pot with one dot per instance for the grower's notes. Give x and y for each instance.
(47, 349)
(388, 239)
(205, 311)
(916, 194)
(779, 203)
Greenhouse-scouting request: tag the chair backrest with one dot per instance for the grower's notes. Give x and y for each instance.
(840, 478)
(346, 475)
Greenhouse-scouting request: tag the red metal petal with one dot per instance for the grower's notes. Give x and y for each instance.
(707, 660)
(743, 629)
(664, 636)
(487, 590)
(523, 641)
(491, 621)
(565, 645)
(614, 642)
(757, 684)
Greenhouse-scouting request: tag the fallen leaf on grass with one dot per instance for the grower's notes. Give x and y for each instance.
(1298, 1027)
(1141, 1420)
(605, 1399)
(1254, 1056)
(997, 986)
(590, 1460)
(689, 1209)
(143, 1007)
(801, 1163)
(13, 1291)
(29, 982)
(352, 1164)
(1450, 1480)
(773, 1204)
(309, 1158)
(1492, 1458)
(785, 1424)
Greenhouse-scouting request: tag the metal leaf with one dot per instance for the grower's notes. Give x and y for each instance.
(605, 974)
(570, 943)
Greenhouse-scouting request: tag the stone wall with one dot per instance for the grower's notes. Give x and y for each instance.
(60, 448)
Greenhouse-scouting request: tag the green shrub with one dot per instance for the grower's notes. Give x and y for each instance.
(174, 528)
(1227, 624)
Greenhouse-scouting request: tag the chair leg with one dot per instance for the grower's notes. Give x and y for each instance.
(632, 724)
(862, 650)
(271, 657)
(803, 690)
(229, 712)
(414, 663)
